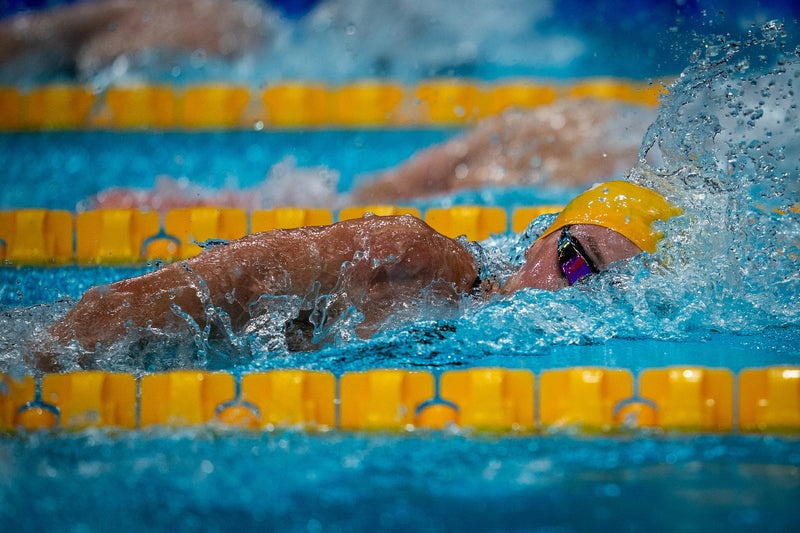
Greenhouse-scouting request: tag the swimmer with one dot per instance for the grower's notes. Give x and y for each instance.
(82, 38)
(569, 143)
(376, 265)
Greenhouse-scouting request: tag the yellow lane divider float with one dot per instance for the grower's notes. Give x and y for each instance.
(130, 236)
(693, 399)
(301, 104)
(31, 236)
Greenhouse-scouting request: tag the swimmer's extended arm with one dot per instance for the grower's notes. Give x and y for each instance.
(567, 143)
(387, 261)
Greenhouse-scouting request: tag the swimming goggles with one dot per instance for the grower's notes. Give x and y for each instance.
(572, 258)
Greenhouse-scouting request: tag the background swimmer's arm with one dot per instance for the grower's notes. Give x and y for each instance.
(567, 143)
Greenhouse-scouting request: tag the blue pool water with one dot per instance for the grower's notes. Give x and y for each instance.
(60, 170)
(64, 165)
(722, 291)
(292, 481)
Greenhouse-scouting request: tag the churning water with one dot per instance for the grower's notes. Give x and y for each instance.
(725, 147)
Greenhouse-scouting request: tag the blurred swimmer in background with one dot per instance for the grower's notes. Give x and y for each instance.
(569, 143)
(79, 39)
(375, 266)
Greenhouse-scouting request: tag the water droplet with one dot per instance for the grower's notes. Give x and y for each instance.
(198, 58)
(772, 30)
(743, 65)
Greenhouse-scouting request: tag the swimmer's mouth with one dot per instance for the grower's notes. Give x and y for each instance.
(572, 259)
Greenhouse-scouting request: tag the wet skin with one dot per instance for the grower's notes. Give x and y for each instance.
(377, 265)
(541, 270)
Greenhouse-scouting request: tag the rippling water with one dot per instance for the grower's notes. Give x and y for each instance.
(725, 147)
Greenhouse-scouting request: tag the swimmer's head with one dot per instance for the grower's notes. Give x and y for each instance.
(609, 222)
(628, 209)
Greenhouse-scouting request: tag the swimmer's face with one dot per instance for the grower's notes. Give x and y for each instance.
(542, 270)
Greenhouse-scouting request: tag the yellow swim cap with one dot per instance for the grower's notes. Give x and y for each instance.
(626, 208)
